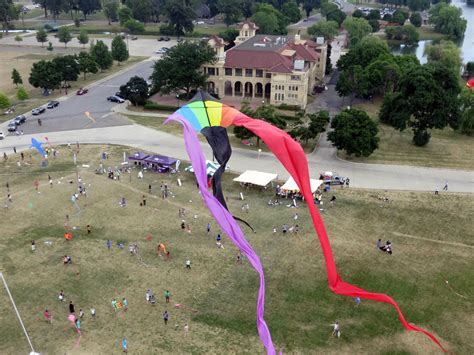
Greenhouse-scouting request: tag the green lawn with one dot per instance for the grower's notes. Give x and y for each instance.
(218, 296)
(446, 149)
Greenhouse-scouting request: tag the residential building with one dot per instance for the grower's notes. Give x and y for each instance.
(277, 69)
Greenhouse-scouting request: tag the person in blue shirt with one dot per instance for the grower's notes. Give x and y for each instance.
(124, 345)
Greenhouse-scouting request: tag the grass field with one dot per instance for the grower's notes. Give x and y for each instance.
(446, 149)
(217, 295)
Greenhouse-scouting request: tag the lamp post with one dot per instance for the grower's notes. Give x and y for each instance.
(177, 100)
(259, 151)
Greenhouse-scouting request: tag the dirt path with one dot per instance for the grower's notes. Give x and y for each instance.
(433, 240)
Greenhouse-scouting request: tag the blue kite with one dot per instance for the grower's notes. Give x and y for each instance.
(37, 145)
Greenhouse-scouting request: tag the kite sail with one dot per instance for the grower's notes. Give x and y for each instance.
(209, 116)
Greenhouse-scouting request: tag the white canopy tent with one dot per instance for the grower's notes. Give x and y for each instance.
(256, 178)
(290, 185)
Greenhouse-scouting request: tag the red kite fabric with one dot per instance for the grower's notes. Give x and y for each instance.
(291, 155)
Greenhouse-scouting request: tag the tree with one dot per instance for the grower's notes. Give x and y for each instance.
(180, 68)
(41, 36)
(68, 67)
(101, 55)
(8, 13)
(291, 10)
(382, 75)
(83, 38)
(357, 28)
(428, 97)
(21, 94)
(418, 5)
(318, 121)
(351, 83)
(400, 17)
(18, 38)
(445, 52)
(87, 64)
(231, 9)
(448, 20)
(124, 14)
(269, 19)
(4, 101)
(64, 35)
(119, 50)
(363, 53)
(44, 75)
(470, 68)
(135, 90)
(134, 26)
(326, 29)
(16, 77)
(141, 9)
(375, 25)
(181, 16)
(336, 15)
(111, 8)
(467, 112)
(355, 132)
(229, 35)
(88, 7)
(374, 14)
(410, 34)
(415, 19)
(269, 114)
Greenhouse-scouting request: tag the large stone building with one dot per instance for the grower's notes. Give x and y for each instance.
(276, 69)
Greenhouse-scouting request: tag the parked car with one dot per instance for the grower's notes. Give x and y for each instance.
(160, 39)
(115, 99)
(12, 126)
(82, 91)
(330, 178)
(119, 94)
(19, 120)
(179, 40)
(38, 110)
(2, 135)
(166, 38)
(9, 110)
(134, 38)
(52, 104)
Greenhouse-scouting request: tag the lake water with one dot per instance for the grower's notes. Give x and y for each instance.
(466, 44)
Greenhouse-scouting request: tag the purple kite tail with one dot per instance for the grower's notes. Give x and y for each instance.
(226, 222)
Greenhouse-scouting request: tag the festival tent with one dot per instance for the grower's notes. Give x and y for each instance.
(138, 158)
(159, 163)
(211, 168)
(290, 185)
(256, 178)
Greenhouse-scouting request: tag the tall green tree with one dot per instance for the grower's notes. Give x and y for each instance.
(357, 28)
(134, 26)
(291, 10)
(41, 36)
(447, 19)
(16, 77)
(351, 83)
(8, 13)
(445, 52)
(44, 75)
(68, 67)
(21, 94)
(135, 90)
(268, 113)
(231, 9)
(315, 124)
(269, 19)
(242, 132)
(119, 50)
(124, 14)
(88, 7)
(4, 101)
(64, 35)
(364, 52)
(467, 112)
(336, 15)
(326, 29)
(181, 16)
(87, 64)
(83, 38)
(418, 5)
(180, 68)
(354, 132)
(111, 8)
(102, 56)
(141, 9)
(415, 19)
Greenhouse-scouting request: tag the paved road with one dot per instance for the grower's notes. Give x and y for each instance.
(306, 22)
(70, 114)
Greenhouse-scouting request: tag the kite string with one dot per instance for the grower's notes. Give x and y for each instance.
(291, 155)
(226, 222)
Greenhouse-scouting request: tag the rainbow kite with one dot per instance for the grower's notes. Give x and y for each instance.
(210, 117)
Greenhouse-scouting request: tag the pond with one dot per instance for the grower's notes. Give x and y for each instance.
(466, 44)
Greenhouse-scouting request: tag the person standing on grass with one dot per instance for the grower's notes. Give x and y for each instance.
(81, 313)
(124, 345)
(88, 229)
(36, 183)
(445, 188)
(124, 304)
(108, 244)
(436, 191)
(78, 325)
(33, 245)
(186, 329)
(218, 238)
(149, 188)
(165, 317)
(357, 301)
(61, 296)
(208, 228)
(167, 296)
(144, 200)
(71, 307)
(188, 264)
(336, 331)
(47, 316)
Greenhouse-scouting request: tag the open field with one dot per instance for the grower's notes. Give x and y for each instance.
(446, 149)
(432, 237)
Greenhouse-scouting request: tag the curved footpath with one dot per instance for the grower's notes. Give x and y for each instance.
(373, 176)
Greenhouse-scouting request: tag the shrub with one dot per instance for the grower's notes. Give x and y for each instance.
(77, 23)
(153, 106)
(21, 94)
